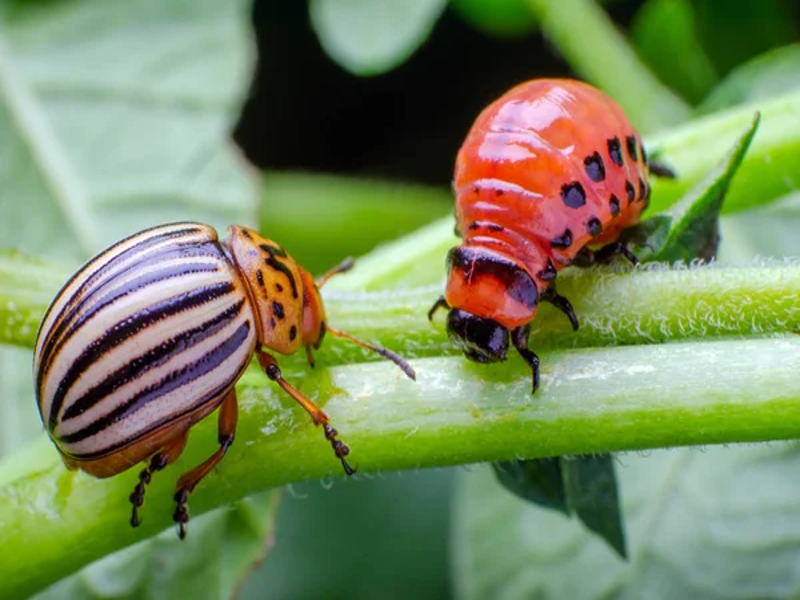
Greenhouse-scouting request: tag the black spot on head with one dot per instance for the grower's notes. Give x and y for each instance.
(595, 168)
(562, 241)
(615, 151)
(630, 192)
(594, 226)
(573, 194)
(548, 273)
(292, 333)
(260, 278)
(614, 205)
(278, 287)
(643, 190)
(630, 144)
(277, 309)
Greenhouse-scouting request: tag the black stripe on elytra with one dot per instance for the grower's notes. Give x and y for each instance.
(273, 262)
(110, 265)
(153, 358)
(121, 331)
(478, 262)
(89, 290)
(69, 326)
(174, 380)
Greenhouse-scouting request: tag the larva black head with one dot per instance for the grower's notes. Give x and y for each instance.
(481, 340)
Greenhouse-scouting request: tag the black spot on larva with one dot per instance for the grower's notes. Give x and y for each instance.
(292, 333)
(630, 144)
(499, 193)
(595, 168)
(562, 241)
(573, 194)
(548, 273)
(644, 156)
(630, 191)
(615, 151)
(642, 189)
(485, 225)
(476, 190)
(277, 309)
(594, 226)
(260, 278)
(278, 287)
(614, 205)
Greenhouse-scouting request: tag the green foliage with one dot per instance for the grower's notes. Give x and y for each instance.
(116, 115)
(369, 37)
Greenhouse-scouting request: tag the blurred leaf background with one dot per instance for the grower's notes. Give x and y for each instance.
(332, 125)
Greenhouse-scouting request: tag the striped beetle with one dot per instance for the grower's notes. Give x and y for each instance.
(150, 337)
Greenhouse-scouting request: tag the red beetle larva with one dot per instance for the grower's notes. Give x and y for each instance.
(150, 337)
(549, 175)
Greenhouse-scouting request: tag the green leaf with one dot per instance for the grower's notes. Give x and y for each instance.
(695, 148)
(540, 481)
(592, 491)
(689, 229)
(370, 37)
(505, 18)
(771, 74)
(210, 565)
(665, 36)
(708, 524)
(734, 32)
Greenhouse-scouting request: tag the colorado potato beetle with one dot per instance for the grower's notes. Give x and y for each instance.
(549, 175)
(150, 337)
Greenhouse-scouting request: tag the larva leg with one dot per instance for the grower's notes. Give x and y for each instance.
(159, 461)
(519, 337)
(228, 417)
(270, 366)
(440, 303)
(603, 256)
(561, 303)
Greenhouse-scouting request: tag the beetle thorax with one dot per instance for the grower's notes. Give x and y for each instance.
(275, 288)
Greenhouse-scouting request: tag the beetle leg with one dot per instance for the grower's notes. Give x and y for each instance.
(561, 303)
(159, 461)
(228, 417)
(519, 337)
(273, 371)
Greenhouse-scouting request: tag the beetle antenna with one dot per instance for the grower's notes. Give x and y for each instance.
(342, 267)
(395, 358)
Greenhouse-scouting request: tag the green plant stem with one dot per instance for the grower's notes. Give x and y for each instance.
(595, 49)
(591, 400)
